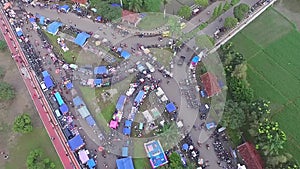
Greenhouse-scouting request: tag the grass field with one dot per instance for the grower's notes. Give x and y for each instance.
(271, 45)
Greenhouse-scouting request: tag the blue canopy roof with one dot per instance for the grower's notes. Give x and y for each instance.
(64, 108)
(90, 120)
(98, 82)
(125, 163)
(81, 38)
(125, 54)
(91, 163)
(100, 70)
(58, 98)
(121, 102)
(128, 123)
(185, 146)
(70, 85)
(119, 49)
(195, 59)
(124, 151)
(139, 96)
(77, 101)
(66, 8)
(210, 125)
(126, 131)
(98, 18)
(45, 73)
(20, 33)
(42, 20)
(53, 27)
(76, 143)
(48, 82)
(170, 107)
(78, 10)
(31, 20)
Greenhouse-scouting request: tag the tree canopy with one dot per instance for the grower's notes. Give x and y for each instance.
(3, 45)
(185, 12)
(22, 124)
(175, 160)
(239, 90)
(240, 11)
(233, 117)
(230, 22)
(202, 3)
(107, 11)
(153, 5)
(35, 161)
(6, 91)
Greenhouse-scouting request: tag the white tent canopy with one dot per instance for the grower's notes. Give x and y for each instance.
(164, 98)
(159, 92)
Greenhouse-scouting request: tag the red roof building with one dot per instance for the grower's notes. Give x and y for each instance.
(130, 17)
(80, 1)
(210, 83)
(250, 156)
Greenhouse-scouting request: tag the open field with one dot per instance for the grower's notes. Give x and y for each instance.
(271, 45)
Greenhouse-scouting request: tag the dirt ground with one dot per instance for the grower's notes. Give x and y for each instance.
(290, 9)
(9, 110)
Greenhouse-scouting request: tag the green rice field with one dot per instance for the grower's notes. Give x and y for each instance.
(271, 45)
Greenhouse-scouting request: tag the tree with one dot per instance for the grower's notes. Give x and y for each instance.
(35, 161)
(230, 22)
(153, 5)
(233, 117)
(6, 91)
(175, 160)
(226, 6)
(22, 124)
(234, 2)
(3, 45)
(240, 11)
(270, 137)
(107, 11)
(185, 12)
(220, 9)
(202, 3)
(135, 5)
(239, 90)
(240, 71)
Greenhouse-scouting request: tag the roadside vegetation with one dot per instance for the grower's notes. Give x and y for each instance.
(23, 124)
(35, 160)
(7, 92)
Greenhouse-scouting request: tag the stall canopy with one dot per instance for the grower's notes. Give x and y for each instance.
(83, 156)
(65, 8)
(42, 20)
(19, 32)
(78, 10)
(139, 97)
(69, 85)
(120, 103)
(81, 38)
(170, 107)
(210, 125)
(113, 124)
(91, 163)
(97, 82)
(77, 101)
(53, 27)
(90, 120)
(124, 151)
(76, 143)
(128, 123)
(31, 20)
(58, 98)
(126, 131)
(64, 109)
(125, 54)
(45, 73)
(196, 59)
(185, 147)
(48, 82)
(141, 126)
(83, 111)
(100, 70)
(125, 163)
(99, 18)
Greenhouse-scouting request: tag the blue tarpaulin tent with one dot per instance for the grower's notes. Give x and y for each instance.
(76, 143)
(64, 108)
(81, 38)
(139, 97)
(78, 10)
(91, 163)
(31, 20)
(42, 20)
(69, 85)
(53, 27)
(128, 123)
(125, 54)
(58, 98)
(45, 73)
(126, 131)
(121, 102)
(195, 59)
(90, 120)
(19, 31)
(185, 147)
(97, 82)
(119, 49)
(125, 163)
(124, 151)
(99, 18)
(100, 70)
(77, 101)
(65, 8)
(48, 82)
(170, 107)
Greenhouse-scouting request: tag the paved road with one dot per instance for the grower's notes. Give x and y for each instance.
(38, 99)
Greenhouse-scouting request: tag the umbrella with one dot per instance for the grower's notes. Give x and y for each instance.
(100, 148)
(97, 43)
(191, 147)
(185, 147)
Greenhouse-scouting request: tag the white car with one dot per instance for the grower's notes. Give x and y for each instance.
(43, 86)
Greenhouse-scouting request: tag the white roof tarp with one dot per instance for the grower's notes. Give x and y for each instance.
(83, 111)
